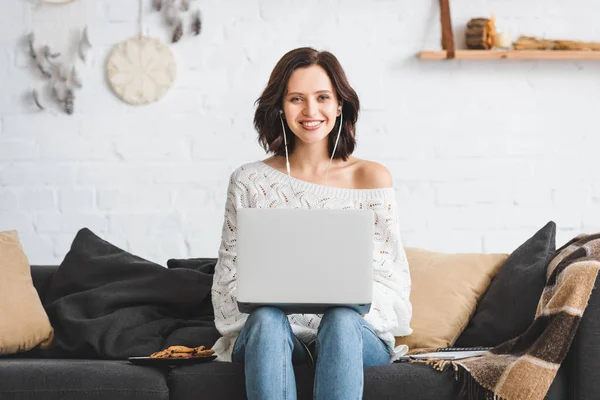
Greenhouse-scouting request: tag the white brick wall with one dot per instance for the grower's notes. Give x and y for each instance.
(482, 153)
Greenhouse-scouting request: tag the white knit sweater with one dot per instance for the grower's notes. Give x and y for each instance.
(258, 185)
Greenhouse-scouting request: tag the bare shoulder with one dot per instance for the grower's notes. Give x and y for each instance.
(372, 175)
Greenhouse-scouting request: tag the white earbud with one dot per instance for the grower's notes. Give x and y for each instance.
(335, 145)
(287, 159)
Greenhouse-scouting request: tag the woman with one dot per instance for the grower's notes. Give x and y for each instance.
(307, 115)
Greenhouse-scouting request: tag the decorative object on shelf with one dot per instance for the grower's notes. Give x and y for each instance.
(480, 32)
(501, 40)
(532, 43)
(141, 70)
(173, 18)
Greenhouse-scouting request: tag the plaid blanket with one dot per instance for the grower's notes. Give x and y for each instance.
(524, 367)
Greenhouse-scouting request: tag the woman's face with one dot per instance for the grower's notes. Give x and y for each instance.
(310, 105)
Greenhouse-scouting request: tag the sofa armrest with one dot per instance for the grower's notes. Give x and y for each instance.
(584, 355)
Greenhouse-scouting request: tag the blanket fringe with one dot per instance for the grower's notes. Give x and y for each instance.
(470, 388)
(437, 364)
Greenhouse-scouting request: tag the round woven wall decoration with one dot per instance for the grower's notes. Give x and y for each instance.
(141, 69)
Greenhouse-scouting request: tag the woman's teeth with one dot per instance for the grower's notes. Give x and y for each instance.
(311, 123)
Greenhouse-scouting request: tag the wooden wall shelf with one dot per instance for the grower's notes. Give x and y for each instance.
(450, 52)
(512, 54)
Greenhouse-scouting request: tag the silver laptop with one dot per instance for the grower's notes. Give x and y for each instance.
(304, 260)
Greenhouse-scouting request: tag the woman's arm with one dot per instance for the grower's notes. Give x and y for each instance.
(391, 276)
(228, 318)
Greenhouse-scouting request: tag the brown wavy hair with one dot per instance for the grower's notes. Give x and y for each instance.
(266, 117)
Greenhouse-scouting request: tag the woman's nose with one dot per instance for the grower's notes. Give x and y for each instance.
(311, 108)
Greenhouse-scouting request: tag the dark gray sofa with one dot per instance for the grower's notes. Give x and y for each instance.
(25, 377)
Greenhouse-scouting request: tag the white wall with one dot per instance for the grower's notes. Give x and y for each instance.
(482, 153)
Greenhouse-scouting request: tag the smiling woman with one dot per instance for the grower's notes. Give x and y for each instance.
(307, 117)
(309, 87)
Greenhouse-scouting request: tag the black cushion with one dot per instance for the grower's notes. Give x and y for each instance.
(42, 276)
(508, 306)
(104, 302)
(80, 379)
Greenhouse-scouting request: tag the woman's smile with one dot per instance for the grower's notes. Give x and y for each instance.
(311, 125)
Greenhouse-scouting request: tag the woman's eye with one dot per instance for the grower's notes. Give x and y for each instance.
(296, 99)
(323, 97)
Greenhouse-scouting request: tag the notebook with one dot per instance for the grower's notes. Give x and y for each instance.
(449, 353)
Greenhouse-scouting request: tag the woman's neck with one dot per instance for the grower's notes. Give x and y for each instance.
(310, 160)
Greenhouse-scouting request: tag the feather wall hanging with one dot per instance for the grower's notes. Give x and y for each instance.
(58, 70)
(68, 101)
(74, 79)
(30, 43)
(171, 13)
(58, 92)
(178, 31)
(84, 45)
(36, 99)
(48, 55)
(61, 80)
(196, 23)
(172, 10)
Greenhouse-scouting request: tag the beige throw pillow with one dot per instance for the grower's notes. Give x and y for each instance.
(23, 320)
(444, 293)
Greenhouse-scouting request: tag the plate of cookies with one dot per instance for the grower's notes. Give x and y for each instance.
(176, 355)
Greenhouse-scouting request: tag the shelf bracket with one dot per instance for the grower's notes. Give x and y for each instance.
(447, 35)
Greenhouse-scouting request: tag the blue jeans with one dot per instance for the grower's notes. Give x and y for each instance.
(345, 344)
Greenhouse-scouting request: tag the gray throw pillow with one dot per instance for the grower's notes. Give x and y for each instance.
(508, 306)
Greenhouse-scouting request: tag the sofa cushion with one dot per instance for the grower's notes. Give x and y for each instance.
(23, 321)
(508, 307)
(107, 303)
(225, 381)
(42, 276)
(444, 294)
(80, 379)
